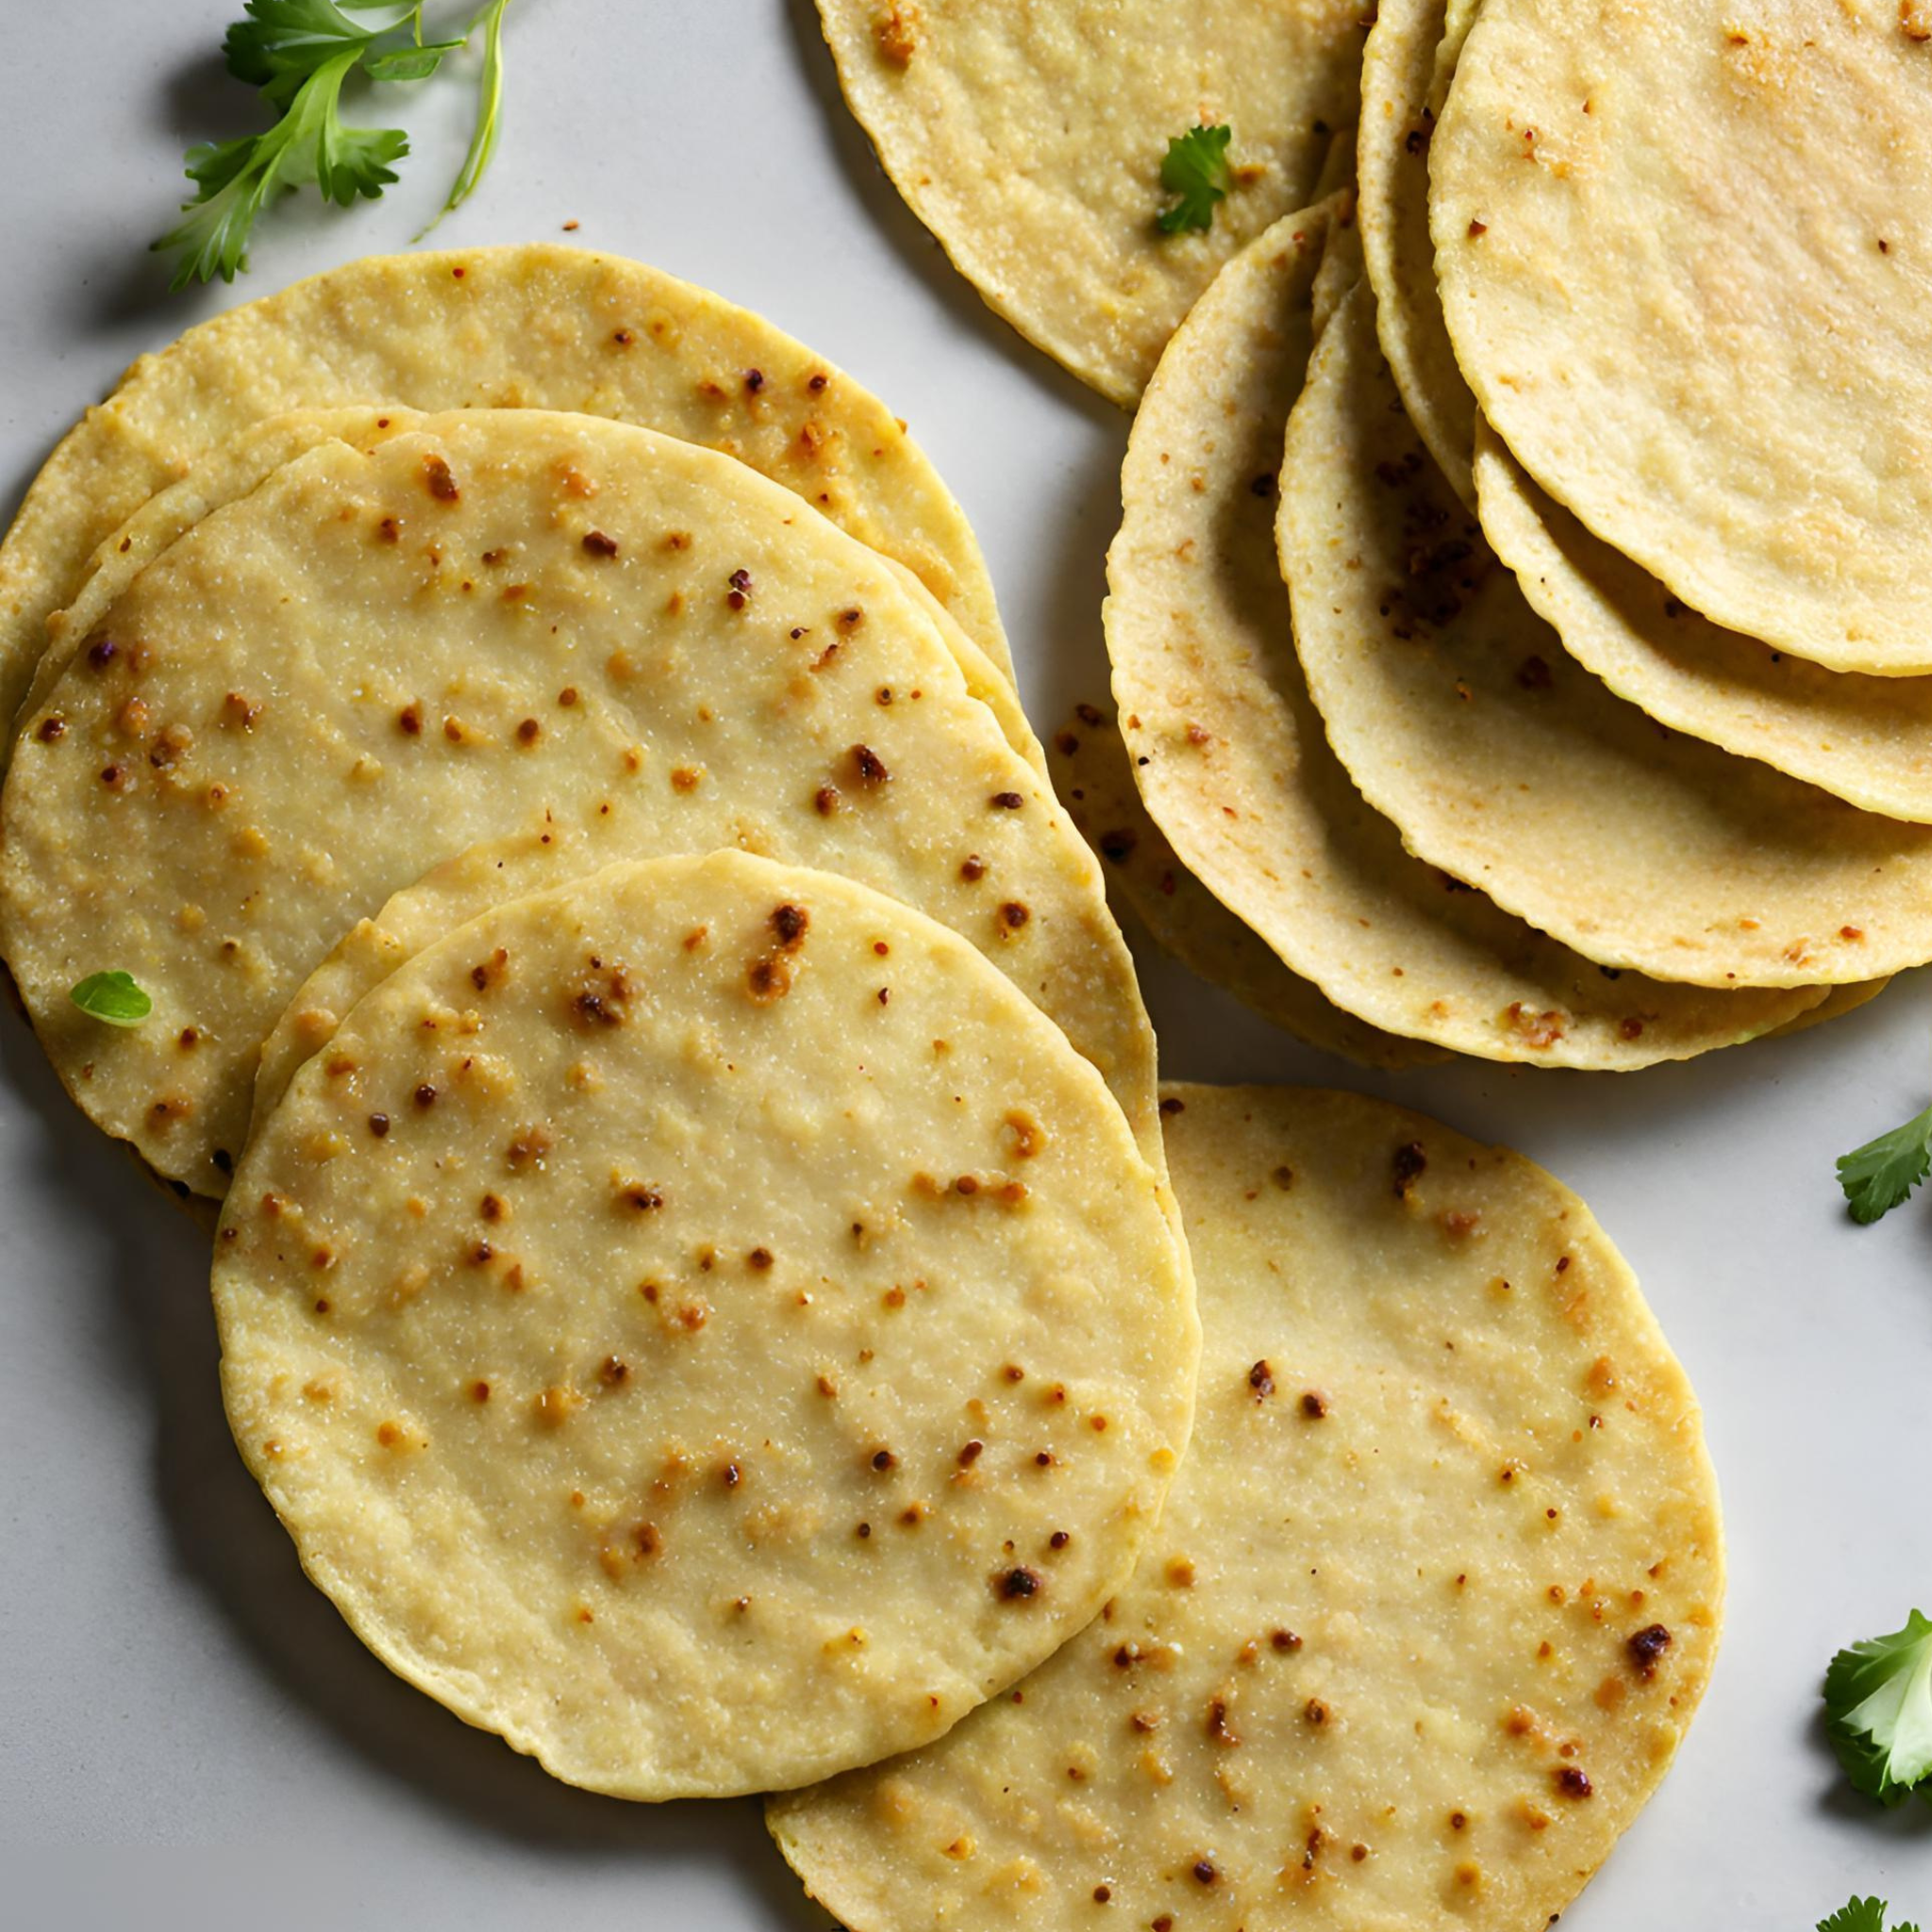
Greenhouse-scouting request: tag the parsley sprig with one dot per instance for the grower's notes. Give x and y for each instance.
(301, 54)
(1861, 1915)
(1878, 1706)
(1878, 1175)
(1196, 169)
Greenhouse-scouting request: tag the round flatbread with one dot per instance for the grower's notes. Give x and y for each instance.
(1089, 763)
(533, 324)
(1686, 254)
(242, 465)
(1407, 67)
(1866, 740)
(1030, 140)
(1229, 754)
(1433, 1599)
(741, 1343)
(1459, 715)
(379, 657)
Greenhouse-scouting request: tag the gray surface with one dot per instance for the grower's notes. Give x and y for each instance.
(187, 1732)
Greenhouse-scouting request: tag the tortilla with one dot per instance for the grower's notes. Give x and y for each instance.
(1432, 1603)
(1030, 140)
(746, 1341)
(1866, 740)
(1091, 771)
(1458, 714)
(1229, 755)
(1686, 254)
(241, 466)
(534, 325)
(1407, 69)
(300, 717)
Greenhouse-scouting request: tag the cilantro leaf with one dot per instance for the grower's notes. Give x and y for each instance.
(1196, 170)
(1861, 1915)
(113, 997)
(1878, 1175)
(488, 107)
(300, 53)
(1878, 1700)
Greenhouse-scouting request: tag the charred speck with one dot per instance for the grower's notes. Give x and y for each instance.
(1006, 801)
(378, 1124)
(1573, 1783)
(1261, 1380)
(598, 544)
(442, 486)
(1017, 1585)
(789, 923)
(100, 654)
(1409, 1165)
(870, 767)
(1647, 1648)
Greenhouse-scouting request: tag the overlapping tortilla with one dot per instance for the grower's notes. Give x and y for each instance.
(1229, 754)
(534, 324)
(1433, 1600)
(1089, 764)
(1865, 740)
(1030, 140)
(378, 659)
(742, 1341)
(1407, 67)
(1459, 715)
(1686, 254)
(244, 463)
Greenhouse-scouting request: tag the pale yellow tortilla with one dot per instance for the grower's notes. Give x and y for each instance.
(241, 465)
(561, 635)
(1091, 771)
(1686, 256)
(1865, 740)
(1407, 67)
(1030, 139)
(533, 324)
(1375, 1669)
(618, 1392)
(1229, 755)
(1459, 715)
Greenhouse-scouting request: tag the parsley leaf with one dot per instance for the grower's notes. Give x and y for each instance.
(1878, 1175)
(1861, 1915)
(1878, 1700)
(300, 53)
(112, 997)
(1195, 169)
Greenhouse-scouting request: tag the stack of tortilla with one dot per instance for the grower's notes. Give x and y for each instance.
(1518, 615)
(696, 1272)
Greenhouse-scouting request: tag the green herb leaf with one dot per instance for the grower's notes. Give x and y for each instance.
(1195, 169)
(1861, 1915)
(488, 109)
(1878, 1700)
(1878, 1175)
(112, 997)
(300, 53)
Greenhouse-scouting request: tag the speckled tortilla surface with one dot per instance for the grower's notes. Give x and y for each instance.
(703, 1324)
(534, 324)
(1459, 715)
(1685, 249)
(378, 658)
(1230, 757)
(1030, 139)
(1433, 1600)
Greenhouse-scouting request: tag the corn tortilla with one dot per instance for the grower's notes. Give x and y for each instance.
(1434, 1597)
(532, 325)
(1686, 256)
(1030, 140)
(762, 1343)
